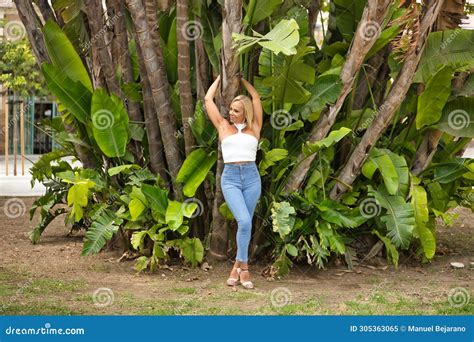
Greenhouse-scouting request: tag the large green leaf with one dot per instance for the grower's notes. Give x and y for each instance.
(257, 10)
(399, 217)
(73, 95)
(326, 89)
(380, 160)
(195, 169)
(454, 48)
(270, 158)
(109, 123)
(458, 117)
(283, 218)
(202, 128)
(282, 38)
(333, 137)
(448, 172)
(419, 201)
(434, 97)
(63, 55)
(285, 76)
(138, 203)
(174, 214)
(102, 229)
(392, 253)
(156, 197)
(192, 250)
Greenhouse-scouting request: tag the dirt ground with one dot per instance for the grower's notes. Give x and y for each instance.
(53, 278)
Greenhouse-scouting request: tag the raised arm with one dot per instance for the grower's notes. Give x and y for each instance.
(211, 108)
(256, 103)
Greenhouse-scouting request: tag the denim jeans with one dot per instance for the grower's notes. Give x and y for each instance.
(241, 186)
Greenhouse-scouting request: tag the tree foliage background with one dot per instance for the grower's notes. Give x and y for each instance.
(362, 140)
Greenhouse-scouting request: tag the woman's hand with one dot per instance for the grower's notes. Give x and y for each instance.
(252, 91)
(211, 92)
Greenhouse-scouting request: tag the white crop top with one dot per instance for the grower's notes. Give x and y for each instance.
(239, 146)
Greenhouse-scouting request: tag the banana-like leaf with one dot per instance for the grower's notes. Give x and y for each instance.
(325, 90)
(109, 123)
(380, 160)
(399, 217)
(283, 218)
(392, 253)
(285, 76)
(102, 229)
(333, 137)
(458, 117)
(192, 250)
(452, 48)
(156, 197)
(138, 203)
(257, 10)
(73, 95)
(419, 201)
(270, 158)
(176, 212)
(195, 169)
(434, 97)
(63, 55)
(282, 38)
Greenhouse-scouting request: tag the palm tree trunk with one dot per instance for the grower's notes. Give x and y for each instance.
(232, 22)
(159, 86)
(184, 73)
(395, 97)
(373, 16)
(155, 142)
(32, 24)
(449, 18)
(95, 13)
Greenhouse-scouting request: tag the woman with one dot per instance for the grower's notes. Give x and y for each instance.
(240, 182)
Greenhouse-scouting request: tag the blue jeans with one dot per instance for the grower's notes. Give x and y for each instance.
(241, 186)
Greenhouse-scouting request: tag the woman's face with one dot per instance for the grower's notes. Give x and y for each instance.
(236, 113)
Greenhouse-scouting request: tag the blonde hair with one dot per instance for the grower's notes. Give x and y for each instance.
(248, 108)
